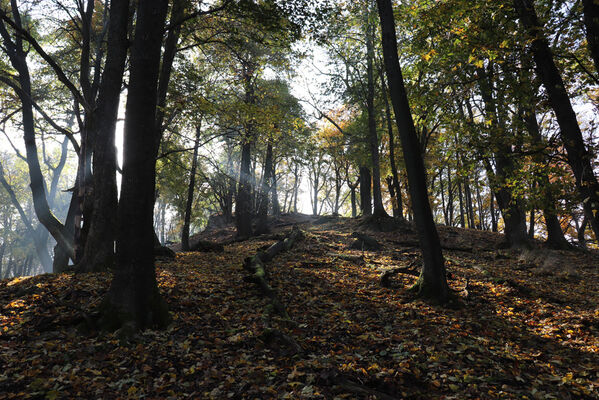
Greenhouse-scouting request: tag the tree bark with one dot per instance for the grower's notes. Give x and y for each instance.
(98, 254)
(591, 24)
(373, 140)
(133, 301)
(190, 191)
(432, 282)
(396, 196)
(365, 194)
(262, 226)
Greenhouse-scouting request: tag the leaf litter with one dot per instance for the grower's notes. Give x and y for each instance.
(527, 326)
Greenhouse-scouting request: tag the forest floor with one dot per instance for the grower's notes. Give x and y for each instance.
(526, 326)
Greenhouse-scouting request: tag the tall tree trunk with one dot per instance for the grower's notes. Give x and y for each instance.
(461, 197)
(579, 158)
(396, 196)
(133, 299)
(555, 235)
(379, 209)
(190, 191)
(591, 24)
(315, 183)
(262, 226)
(531, 224)
(449, 196)
(365, 194)
(98, 254)
(354, 210)
(276, 207)
(432, 282)
(18, 59)
(513, 216)
(243, 202)
(442, 189)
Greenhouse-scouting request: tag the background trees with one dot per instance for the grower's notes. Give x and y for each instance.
(506, 137)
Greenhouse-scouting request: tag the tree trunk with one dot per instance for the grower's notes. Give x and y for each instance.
(396, 196)
(365, 194)
(18, 59)
(513, 217)
(243, 202)
(98, 254)
(133, 300)
(373, 140)
(315, 184)
(461, 197)
(264, 192)
(276, 207)
(579, 158)
(449, 196)
(432, 282)
(555, 235)
(190, 191)
(591, 23)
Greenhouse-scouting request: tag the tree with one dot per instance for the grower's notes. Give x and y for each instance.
(579, 158)
(133, 300)
(432, 282)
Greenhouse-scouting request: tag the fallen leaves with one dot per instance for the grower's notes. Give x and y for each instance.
(519, 334)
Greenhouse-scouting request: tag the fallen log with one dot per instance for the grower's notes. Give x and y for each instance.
(358, 260)
(256, 266)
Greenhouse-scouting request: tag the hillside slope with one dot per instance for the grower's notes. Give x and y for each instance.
(526, 326)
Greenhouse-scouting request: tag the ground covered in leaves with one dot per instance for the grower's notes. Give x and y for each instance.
(526, 326)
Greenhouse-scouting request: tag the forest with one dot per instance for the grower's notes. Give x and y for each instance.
(311, 199)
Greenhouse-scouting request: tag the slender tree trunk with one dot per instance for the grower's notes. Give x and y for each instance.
(18, 59)
(579, 158)
(442, 188)
(354, 210)
(315, 183)
(365, 194)
(513, 217)
(190, 191)
(531, 224)
(461, 197)
(276, 207)
(243, 203)
(555, 235)
(432, 282)
(264, 192)
(449, 196)
(396, 196)
(133, 299)
(582, 241)
(469, 205)
(479, 201)
(379, 209)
